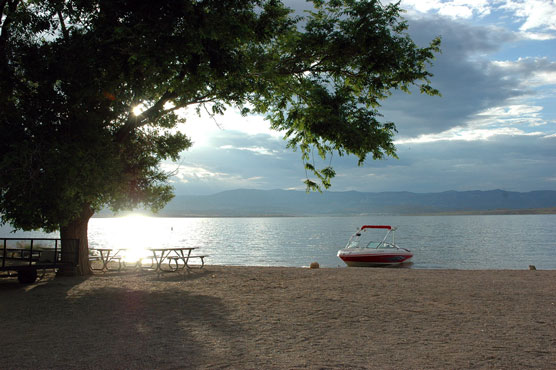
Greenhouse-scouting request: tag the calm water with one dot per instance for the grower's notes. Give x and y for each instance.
(454, 242)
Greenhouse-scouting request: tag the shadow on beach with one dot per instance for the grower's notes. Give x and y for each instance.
(112, 321)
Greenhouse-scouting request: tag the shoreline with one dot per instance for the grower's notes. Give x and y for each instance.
(491, 212)
(283, 318)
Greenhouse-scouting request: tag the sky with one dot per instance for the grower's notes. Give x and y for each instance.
(494, 127)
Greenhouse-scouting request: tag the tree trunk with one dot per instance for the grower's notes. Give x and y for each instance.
(76, 229)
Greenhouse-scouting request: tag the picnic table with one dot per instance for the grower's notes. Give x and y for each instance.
(177, 258)
(172, 255)
(106, 257)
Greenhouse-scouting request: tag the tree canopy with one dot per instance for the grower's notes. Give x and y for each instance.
(72, 72)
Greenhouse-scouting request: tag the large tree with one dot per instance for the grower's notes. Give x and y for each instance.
(72, 72)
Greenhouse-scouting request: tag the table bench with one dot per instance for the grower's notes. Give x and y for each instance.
(176, 259)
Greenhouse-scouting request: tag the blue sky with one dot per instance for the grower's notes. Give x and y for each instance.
(493, 128)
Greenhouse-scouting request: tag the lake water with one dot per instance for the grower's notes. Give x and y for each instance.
(438, 242)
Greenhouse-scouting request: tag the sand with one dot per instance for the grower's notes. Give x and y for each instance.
(282, 318)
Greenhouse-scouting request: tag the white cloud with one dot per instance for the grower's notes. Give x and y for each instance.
(536, 14)
(197, 174)
(533, 72)
(489, 123)
(185, 173)
(464, 9)
(510, 115)
(255, 149)
(537, 36)
(512, 111)
(539, 15)
(467, 134)
(542, 78)
(202, 128)
(456, 11)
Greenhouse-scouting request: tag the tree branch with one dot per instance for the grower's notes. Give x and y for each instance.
(132, 124)
(156, 111)
(2, 5)
(12, 5)
(63, 25)
(211, 115)
(200, 100)
(7, 84)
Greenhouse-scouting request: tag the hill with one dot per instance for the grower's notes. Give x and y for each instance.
(245, 202)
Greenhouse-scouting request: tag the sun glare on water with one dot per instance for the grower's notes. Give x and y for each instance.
(135, 234)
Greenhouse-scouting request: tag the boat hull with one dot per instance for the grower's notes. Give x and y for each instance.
(374, 258)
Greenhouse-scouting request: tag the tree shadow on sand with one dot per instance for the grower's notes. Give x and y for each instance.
(155, 323)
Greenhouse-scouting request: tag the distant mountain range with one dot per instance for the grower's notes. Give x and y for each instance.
(245, 202)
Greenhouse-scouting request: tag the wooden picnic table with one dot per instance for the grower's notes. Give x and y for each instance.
(105, 256)
(177, 258)
(179, 253)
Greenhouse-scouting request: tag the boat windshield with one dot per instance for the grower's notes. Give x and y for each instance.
(363, 239)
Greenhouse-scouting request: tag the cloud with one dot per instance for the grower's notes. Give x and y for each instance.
(254, 149)
(538, 36)
(454, 9)
(202, 127)
(198, 176)
(535, 14)
(477, 93)
(191, 172)
(538, 15)
(464, 134)
(235, 159)
(531, 72)
(506, 120)
(520, 163)
(466, 79)
(503, 116)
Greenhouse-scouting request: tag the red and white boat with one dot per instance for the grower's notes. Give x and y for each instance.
(361, 252)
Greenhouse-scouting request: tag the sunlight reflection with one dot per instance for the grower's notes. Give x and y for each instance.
(135, 234)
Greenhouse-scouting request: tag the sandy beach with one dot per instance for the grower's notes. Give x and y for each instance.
(282, 318)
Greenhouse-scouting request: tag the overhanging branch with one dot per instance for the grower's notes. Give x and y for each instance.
(63, 25)
(132, 124)
(12, 5)
(7, 8)
(155, 112)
